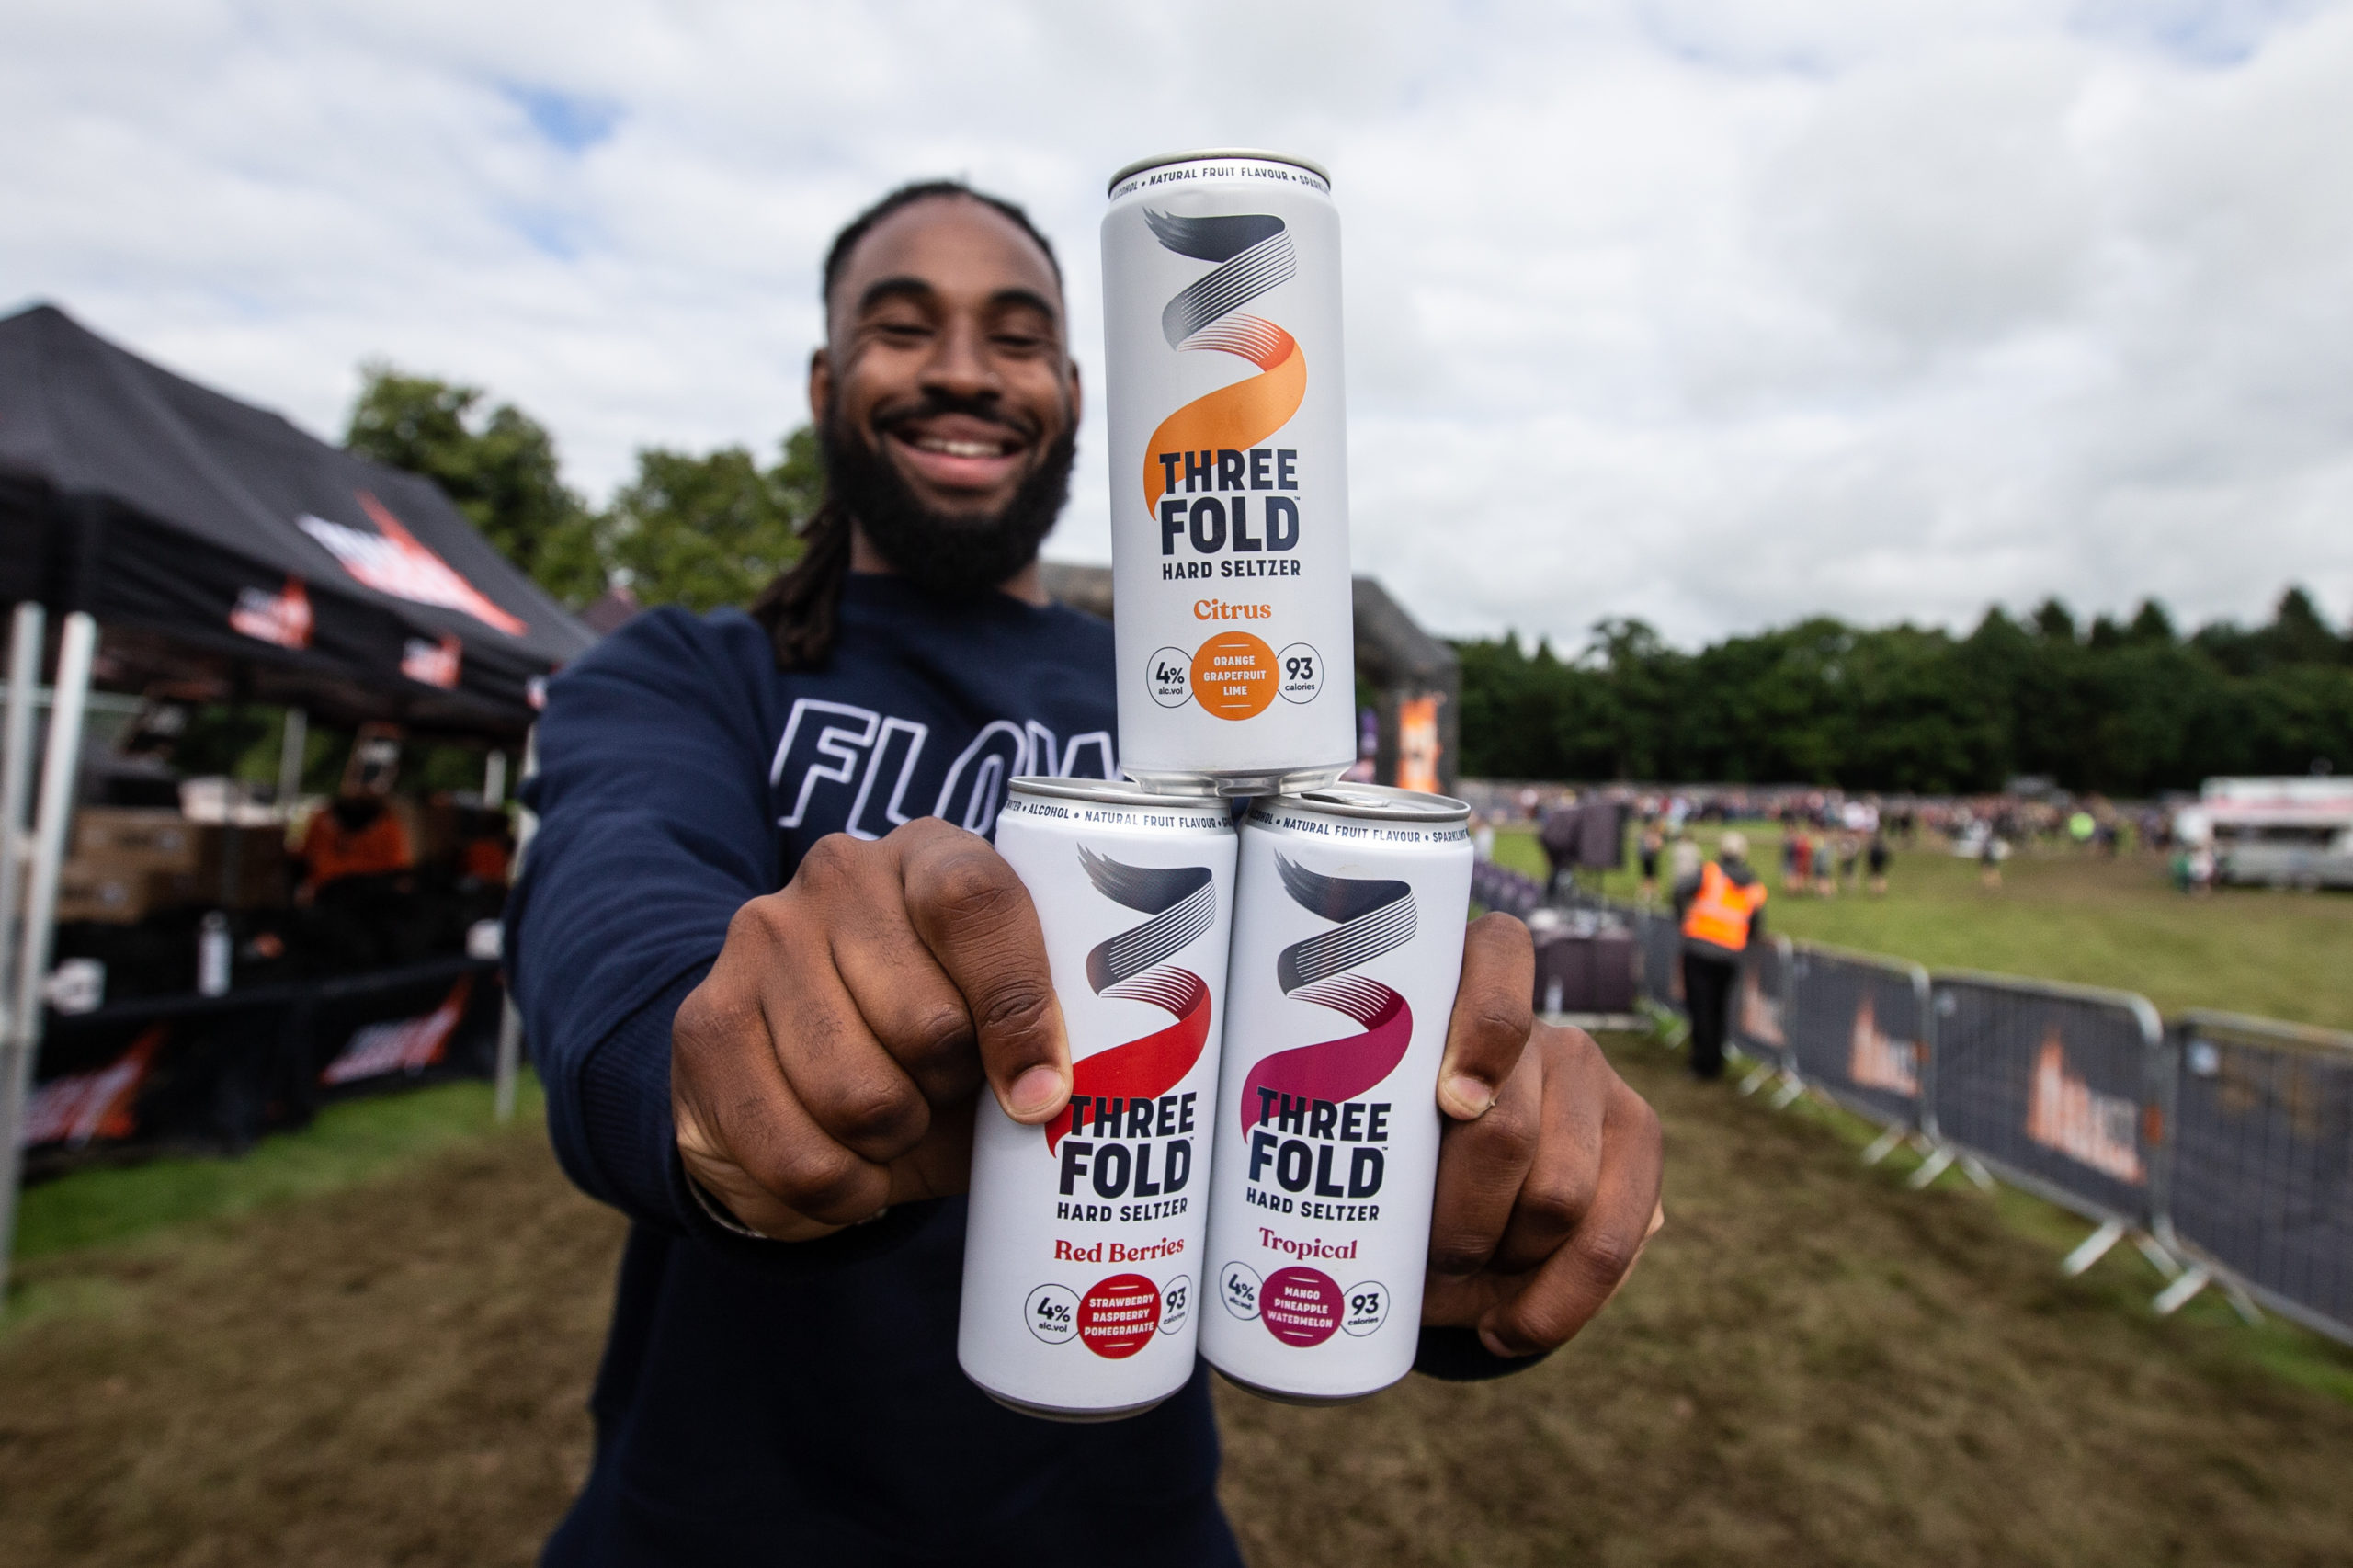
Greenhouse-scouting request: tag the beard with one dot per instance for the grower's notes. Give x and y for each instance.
(943, 554)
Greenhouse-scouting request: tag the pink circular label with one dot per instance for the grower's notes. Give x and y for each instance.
(1299, 1306)
(1117, 1317)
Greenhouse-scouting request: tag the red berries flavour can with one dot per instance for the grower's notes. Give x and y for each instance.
(1348, 950)
(1228, 432)
(1083, 1248)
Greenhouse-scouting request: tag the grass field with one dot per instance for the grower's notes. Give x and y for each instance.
(1812, 1365)
(2061, 914)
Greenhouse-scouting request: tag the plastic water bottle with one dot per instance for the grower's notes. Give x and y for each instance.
(213, 956)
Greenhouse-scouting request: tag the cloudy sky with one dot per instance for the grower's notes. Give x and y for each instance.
(1711, 312)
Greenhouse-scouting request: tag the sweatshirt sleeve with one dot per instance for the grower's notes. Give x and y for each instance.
(654, 828)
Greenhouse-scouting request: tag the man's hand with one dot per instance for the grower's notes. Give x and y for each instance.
(827, 1066)
(1548, 1181)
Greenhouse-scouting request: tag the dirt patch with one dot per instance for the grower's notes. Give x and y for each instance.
(1813, 1366)
(394, 1374)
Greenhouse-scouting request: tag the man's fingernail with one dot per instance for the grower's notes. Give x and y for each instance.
(1035, 1091)
(1469, 1096)
(1495, 1346)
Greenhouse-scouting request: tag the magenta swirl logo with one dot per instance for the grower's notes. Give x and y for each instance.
(1375, 916)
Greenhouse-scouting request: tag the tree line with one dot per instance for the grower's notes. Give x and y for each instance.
(2126, 708)
(2123, 707)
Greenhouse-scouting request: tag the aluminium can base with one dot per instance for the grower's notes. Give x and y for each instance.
(1069, 1417)
(1284, 1396)
(1238, 786)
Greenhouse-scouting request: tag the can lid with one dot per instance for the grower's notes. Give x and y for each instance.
(1206, 152)
(1106, 792)
(1383, 802)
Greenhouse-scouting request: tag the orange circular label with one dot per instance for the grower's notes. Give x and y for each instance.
(1233, 675)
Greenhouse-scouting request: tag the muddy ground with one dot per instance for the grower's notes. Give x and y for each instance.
(1811, 1366)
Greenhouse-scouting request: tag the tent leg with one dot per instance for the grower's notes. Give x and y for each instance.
(59, 768)
(511, 1055)
(293, 746)
(16, 774)
(494, 780)
(510, 1019)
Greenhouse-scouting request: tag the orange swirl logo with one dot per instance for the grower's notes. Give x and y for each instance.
(1252, 251)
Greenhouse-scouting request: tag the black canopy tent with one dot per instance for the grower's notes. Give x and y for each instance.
(218, 547)
(208, 536)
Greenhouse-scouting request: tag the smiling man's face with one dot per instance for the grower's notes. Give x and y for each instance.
(946, 397)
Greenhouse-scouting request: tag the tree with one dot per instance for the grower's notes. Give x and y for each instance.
(2132, 709)
(711, 530)
(499, 469)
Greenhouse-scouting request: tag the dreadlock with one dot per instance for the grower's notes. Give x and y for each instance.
(800, 606)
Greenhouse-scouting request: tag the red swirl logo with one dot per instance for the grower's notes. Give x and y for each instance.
(1132, 966)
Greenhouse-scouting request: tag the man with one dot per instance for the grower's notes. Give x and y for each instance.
(1561, 835)
(1722, 909)
(778, 1085)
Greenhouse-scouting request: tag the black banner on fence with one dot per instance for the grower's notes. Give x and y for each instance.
(1859, 1029)
(1661, 959)
(2261, 1179)
(2052, 1084)
(191, 1072)
(1759, 1024)
(428, 1021)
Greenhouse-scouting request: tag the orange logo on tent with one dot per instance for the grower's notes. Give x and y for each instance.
(392, 561)
(283, 617)
(433, 663)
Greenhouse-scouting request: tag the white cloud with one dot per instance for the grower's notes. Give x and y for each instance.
(1713, 313)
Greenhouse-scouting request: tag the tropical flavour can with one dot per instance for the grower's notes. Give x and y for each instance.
(1229, 475)
(1083, 1249)
(1348, 949)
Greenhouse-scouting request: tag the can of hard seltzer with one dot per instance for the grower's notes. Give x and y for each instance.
(1348, 949)
(1082, 1254)
(1228, 473)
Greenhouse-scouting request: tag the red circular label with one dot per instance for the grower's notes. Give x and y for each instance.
(1299, 1306)
(1117, 1317)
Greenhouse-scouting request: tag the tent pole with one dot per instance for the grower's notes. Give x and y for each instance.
(292, 747)
(15, 774)
(493, 779)
(59, 766)
(510, 1017)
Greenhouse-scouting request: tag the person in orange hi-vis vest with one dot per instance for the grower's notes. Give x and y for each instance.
(1722, 910)
(356, 837)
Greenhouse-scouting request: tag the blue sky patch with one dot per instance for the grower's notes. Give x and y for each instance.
(572, 121)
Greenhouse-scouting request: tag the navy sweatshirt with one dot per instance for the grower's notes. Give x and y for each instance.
(774, 1403)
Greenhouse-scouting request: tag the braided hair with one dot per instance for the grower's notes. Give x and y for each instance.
(800, 606)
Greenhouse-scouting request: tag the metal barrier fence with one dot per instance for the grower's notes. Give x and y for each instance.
(2259, 1182)
(1859, 1029)
(1500, 887)
(1758, 1027)
(2226, 1141)
(1662, 945)
(2056, 1087)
